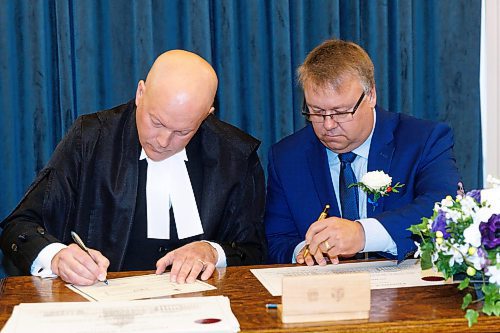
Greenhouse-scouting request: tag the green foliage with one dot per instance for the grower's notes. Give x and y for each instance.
(464, 284)
(447, 249)
(381, 192)
(467, 300)
(471, 316)
(491, 299)
(425, 257)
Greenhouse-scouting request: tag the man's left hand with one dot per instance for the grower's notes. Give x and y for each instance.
(188, 262)
(334, 237)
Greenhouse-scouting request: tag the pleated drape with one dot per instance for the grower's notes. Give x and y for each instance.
(61, 59)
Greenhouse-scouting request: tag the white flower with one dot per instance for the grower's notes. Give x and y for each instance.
(447, 202)
(376, 180)
(483, 214)
(457, 254)
(494, 273)
(477, 261)
(452, 215)
(492, 198)
(472, 234)
(418, 252)
(493, 181)
(469, 207)
(434, 257)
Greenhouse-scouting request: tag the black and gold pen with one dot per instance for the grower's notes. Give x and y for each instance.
(322, 216)
(82, 246)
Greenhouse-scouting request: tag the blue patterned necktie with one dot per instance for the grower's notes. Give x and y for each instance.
(348, 196)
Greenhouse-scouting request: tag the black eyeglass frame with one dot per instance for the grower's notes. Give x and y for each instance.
(354, 109)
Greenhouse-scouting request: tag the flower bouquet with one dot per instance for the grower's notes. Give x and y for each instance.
(378, 184)
(462, 237)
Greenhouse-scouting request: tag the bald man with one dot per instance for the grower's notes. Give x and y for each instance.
(157, 183)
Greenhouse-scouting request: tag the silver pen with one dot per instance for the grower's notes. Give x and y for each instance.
(80, 243)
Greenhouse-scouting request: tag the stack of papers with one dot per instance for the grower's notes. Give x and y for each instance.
(383, 274)
(189, 314)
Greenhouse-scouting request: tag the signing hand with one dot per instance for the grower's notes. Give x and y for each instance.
(310, 259)
(332, 237)
(73, 265)
(188, 261)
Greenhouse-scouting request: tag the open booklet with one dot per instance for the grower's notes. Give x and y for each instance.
(187, 314)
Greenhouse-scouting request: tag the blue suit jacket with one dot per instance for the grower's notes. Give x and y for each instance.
(414, 152)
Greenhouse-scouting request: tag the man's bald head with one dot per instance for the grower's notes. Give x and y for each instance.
(182, 73)
(173, 102)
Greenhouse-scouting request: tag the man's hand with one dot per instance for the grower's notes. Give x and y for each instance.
(310, 259)
(332, 237)
(188, 261)
(75, 266)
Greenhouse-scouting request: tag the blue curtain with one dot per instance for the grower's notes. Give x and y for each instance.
(61, 59)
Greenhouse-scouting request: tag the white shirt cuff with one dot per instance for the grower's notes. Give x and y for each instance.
(42, 264)
(297, 250)
(377, 239)
(221, 261)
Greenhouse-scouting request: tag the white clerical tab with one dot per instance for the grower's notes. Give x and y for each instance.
(187, 218)
(168, 185)
(157, 200)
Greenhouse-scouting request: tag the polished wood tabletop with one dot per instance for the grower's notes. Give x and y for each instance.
(418, 309)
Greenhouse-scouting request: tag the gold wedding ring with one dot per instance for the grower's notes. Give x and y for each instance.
(203, 263)
(327, 245)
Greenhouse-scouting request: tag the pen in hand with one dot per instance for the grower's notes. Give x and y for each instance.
(323, 214)
(80, 243)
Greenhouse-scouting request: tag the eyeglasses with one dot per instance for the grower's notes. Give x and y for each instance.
(338, 117)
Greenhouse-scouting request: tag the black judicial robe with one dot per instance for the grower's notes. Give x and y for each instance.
(90, 185)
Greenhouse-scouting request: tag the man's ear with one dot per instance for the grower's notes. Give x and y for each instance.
(373, 97)
(141, 89)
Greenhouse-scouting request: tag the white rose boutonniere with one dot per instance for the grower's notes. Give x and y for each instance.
(378, 184)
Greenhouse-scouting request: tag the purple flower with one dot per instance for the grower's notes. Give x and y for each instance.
(490, 232)
(475, 194)
(439, 224)
(484, 257)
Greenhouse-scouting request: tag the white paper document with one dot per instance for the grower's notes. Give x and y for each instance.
(187, 314)
(138, 287)
(384, 274)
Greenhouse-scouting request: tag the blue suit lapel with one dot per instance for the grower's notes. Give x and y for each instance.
(318, 167)
(381, 150)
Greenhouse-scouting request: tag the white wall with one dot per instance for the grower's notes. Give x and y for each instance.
(490, 87)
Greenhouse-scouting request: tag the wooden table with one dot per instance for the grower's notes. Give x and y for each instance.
(419, 309)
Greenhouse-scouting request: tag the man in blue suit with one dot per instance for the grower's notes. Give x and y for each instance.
(348, 136)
